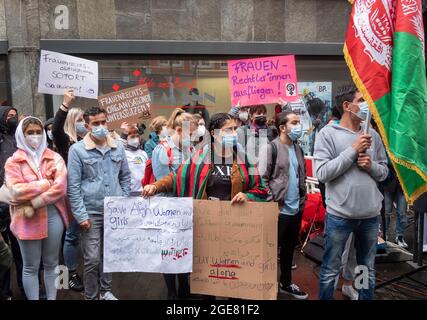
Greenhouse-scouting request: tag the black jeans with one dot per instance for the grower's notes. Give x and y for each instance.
(289, 227)
(10, 239)
(183, 282)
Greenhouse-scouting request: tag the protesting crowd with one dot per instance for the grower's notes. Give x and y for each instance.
(57, 174)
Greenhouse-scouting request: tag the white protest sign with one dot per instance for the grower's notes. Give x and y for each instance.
(59, 72)
(148, 235)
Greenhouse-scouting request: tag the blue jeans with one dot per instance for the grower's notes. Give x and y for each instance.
(337, 231)
(71, 245)
(46, 250)
(401, 207)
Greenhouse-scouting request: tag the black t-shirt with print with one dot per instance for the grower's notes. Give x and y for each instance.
(219, 182)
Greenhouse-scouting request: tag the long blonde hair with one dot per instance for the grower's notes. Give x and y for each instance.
(157, 123)
(70, 123)
(178, 116)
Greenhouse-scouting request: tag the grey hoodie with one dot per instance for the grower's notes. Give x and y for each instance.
(351, 192)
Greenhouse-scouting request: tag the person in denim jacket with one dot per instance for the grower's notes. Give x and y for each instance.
(97, 168)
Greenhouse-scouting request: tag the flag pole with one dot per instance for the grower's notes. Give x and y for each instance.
(367, 122)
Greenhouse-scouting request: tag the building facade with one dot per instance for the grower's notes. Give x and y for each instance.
(172, 45)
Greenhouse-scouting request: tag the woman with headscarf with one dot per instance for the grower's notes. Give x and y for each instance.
(37, 179)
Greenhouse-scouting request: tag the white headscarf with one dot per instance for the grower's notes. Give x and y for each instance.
(34, 155)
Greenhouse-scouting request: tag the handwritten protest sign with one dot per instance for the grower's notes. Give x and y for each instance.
(235, 249)
(59, 72)
(148, 235)
(131, 105)
(262, 80)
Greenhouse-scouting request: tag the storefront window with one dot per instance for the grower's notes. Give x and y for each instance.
(170, 80)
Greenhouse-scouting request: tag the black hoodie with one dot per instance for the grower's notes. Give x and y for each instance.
(50, 144)
(7, 140)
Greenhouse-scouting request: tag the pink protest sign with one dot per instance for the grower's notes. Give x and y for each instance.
(262, 80)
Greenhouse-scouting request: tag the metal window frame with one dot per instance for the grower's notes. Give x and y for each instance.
(207, 48)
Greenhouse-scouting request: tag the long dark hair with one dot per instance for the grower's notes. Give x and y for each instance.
(217, 121)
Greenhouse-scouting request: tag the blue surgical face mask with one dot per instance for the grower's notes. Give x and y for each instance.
(99, 132)
(229, 141)
(295, 133)
(363, 111)
(80, 128)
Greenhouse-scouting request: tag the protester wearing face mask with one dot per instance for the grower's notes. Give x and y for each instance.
(97, 168)
(240, 114)
(218, 171)
(136, 160)
(68, 128)
(68, 125)
(258, 118)
(37, 180)
(285, 176)
(48, 129)
(255, 136)
(159, 131)
(199, 137)
(182, 126)
(167, 158)
(351, 164)
(8, 124)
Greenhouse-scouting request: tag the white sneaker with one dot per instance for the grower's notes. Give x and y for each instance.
(350, 292)
(107, 296)
(401, 242)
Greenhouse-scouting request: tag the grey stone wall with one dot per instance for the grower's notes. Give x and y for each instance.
(200, 20)
(24, 22)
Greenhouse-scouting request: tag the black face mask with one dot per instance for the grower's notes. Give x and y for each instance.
(12, 123)
(261, 120)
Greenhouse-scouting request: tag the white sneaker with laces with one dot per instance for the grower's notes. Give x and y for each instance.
(107, 296)
(350, 292)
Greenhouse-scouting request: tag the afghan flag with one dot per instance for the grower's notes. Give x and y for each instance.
(384, 50)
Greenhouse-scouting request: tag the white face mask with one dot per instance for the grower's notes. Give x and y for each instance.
(243, 116)
(134, 142)
(34, 140)
(49, 134)
(164, 133)
(201, 130)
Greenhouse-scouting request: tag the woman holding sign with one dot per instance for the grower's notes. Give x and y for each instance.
(168, 155)
(223, 174)
(69, 128)
(218, 171)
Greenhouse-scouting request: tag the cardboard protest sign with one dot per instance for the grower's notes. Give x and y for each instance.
(262, 80)
(235, 249)
(59, 72)
(148, 235)
(131, 105)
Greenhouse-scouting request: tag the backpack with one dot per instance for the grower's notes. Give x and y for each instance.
(149, 175)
